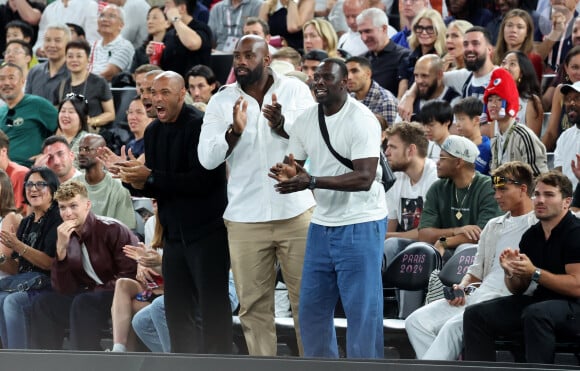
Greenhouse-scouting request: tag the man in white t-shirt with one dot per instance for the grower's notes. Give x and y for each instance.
(350, 41)
(436, 330)
(407, 156)
(344, 247)
(568, 144)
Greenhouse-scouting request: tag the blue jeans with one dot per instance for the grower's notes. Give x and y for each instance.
(151, 326)
(343, 261)
(14, 313)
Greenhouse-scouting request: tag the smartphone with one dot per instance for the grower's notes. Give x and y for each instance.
(451, 294)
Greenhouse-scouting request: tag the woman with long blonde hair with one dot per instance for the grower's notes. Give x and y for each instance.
(318, 33)
(427, 37)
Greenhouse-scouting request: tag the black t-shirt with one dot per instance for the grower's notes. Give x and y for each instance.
(7, 15)
(553, 254)
(176, 57)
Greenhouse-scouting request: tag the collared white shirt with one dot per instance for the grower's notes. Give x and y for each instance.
(251, 194)
(81, 12)
(567, 146)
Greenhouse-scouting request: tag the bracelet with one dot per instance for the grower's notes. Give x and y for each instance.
(24, 251)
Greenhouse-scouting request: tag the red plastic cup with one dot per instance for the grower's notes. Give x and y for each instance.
(158, 47)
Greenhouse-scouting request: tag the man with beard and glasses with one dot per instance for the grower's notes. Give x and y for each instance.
(363, 88)
(429, 79)
(345, 241)
(191, 201)
(469, 81)
(247, 124)
(26, 119)
(543, 277)
(407, 156)
(568, 144)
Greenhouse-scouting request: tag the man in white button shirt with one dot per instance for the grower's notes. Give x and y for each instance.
(246, 123)
(568, 144)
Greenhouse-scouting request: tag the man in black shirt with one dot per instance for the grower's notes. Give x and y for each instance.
(191, 201)
(548, 265)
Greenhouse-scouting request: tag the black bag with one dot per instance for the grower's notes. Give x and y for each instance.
(388, 178)
(24, 282)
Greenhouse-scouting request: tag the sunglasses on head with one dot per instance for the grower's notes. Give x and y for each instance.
(500, 181)
(79, 97)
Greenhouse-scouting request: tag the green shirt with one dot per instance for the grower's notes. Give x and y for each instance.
(449, 207)
(27, 125)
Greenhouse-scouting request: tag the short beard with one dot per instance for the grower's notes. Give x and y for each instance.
(430, 91)
(252, 77)
(476, 65)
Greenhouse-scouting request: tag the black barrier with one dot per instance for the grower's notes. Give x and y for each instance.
(100, 361)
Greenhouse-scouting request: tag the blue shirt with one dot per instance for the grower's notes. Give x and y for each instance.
(484, 158)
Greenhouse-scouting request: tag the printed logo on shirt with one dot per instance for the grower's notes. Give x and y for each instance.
(411, 209)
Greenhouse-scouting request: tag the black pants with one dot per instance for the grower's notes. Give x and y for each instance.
(196, 282)
(539, 322)
(86, 314)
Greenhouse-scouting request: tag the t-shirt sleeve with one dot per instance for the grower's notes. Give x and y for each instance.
(123, 55)
(430, 216)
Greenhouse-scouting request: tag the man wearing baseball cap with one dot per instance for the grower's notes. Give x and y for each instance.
(512, 141)
(460, 203)
(568, 144)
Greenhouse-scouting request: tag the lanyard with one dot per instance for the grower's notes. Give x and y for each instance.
(229, 24)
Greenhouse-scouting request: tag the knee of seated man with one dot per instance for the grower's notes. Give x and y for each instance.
(536, 311)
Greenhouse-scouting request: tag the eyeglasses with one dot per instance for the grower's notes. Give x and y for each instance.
(10, 117)
(87, 149)
(570, 100)
(13, 52)
(38, 185)
(107, 16)
(418, 29)
(500, 181)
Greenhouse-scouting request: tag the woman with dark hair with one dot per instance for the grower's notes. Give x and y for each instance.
(157, 26)
(516, 32)
(558, 117)
(531, 112)
(33, 248)
(72, 120)
(94, 89)
(202, 83)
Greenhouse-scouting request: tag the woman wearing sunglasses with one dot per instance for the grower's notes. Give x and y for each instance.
(90, 88)
(427, 37)
(32, 248)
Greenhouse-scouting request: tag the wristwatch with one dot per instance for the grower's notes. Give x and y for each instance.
(443, 242)
(175, 19)
(536, 275)
(312, 183)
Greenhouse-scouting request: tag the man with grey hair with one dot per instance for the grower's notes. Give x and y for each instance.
(43, 79)
(135, 29)
(112, 53)
(385, 56)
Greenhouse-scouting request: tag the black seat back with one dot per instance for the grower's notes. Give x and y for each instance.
(456, 267)
(411, 268)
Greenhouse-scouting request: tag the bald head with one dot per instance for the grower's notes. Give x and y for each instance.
(168, 93)
(93, 140)
(351, 9)
(251, 55)
(432, 62)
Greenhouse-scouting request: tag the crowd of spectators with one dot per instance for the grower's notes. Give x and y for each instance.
(191, 104)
